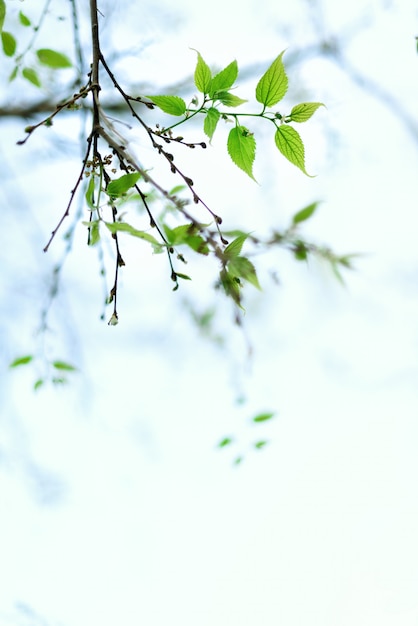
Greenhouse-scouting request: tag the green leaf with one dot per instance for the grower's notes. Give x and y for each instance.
(24, 20)
(120, 186)
(243, 268)
(263, 417)
(173, 105)
(260, 444)
(241, 149)
(202, 75)
(300, 251)
(31, 76)
(211, 121)
(116, 227)
(38, 383)
(228, 99)
(291, 146)
(13, 73)
(305, 214)
(225, 442)
(2, 13)
(233, 249)
(53, 59)
(94, 232)
(183, 276)
(90, 194)
(22, 360)
(224, 79)
(231, 286)
(304, 111)
(272, 86)
(64, 366)
(186, 234)
(8, 43)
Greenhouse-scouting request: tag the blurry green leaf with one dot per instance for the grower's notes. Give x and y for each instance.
(173, 105)
(24, 20)
(8, 43)
(94, 232)
(202, 75)
(22, 360)
(183, 276)
(59, 380)
(241, 149)
(304, 111)
(300, 251)
(2, 13)
(38, 384)
(31, 76)
(291, 146)
(64, 366)
(263, 417)
(238, 460)
(228, 99)
(242, 267)
(224, 79)
(211, 121)
(305, 213)
(13, 73)
(53, 59)
(121, 185)
(233, 249)
(231, 286)
(272, 86)
(116, 227)
(90, 193)
(260, 444)
(225, 442)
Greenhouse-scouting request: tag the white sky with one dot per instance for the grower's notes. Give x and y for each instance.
(114, 505)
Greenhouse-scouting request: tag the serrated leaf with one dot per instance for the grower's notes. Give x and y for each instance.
(291, 146)
(243, 268)
(304, 111)
(272, 86)
(226, 441)
(2, 13)
(64, 366)
(224, 79)
(22, 360)
(31, 76)
(211, 121)
(120, 186)
(229, 99)
(9, 43)
(117, 227)
(233, 249)
(173, 105)
(24, 20)
(53, 58)
(241, 149)
(202, 75)
(263, 417)
(305, 214)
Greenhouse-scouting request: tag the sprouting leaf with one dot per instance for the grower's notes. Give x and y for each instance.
(300, 251)
(94, 232)
(116, 227)
(38, 383)
(233, 249)
(2, 13)
(241, 149)
(186, 234)
(31, 76)
(64, 366)
(53, 59)
(291, 146)
(9, 43)
(202, 75)
(211, 121)
(224, 79)
(120, 186)
(229, 99)
(304, 111)
(24, 20)
(90, 194)
(272, 86)
(305, 213)
(231, 286)
(243, 268)
(22, 360)
(13, 73)
(225, 442)
(173, 105)
(183, 276)
(260, 444)
(263, 417)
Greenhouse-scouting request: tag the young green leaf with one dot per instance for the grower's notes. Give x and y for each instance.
(183, 276)
(243, 268)
(263, 417)
(63, 366)
(22, 360)
(202, 75)
(211, 121)
(225, 442)
(116, 227)
(53, 59)
(173, 105)
(305, 213)
(38, 383)
(233, 249)
(224, 79)
(31, 76)
(13, 73)
(24, 20)
(291, 146)
(272, 86)
(304, 111)
(2, 13)
(260, 444)
(120, 186)
(241, 149)
(94, 232)
(231, 286)
(8, 43)
(229, 99)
